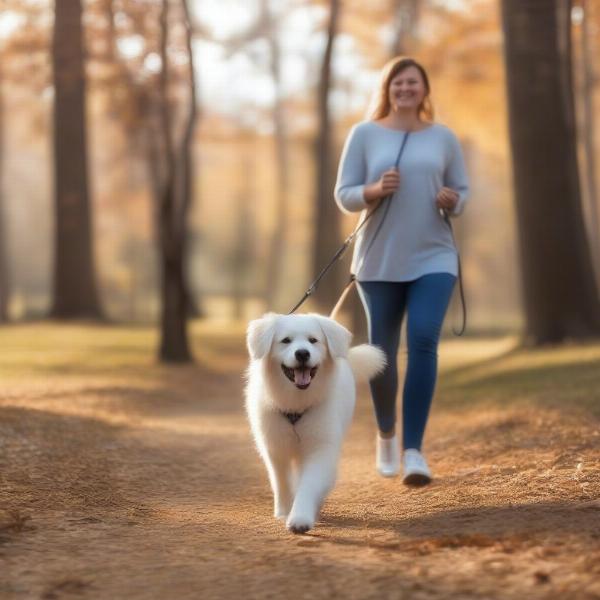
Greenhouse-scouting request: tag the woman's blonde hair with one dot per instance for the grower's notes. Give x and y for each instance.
(380, 105)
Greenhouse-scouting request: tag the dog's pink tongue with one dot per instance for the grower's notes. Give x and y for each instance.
(301, 376)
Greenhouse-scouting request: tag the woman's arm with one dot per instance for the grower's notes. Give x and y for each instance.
(455, 176)
(352, 193)
(352, 174)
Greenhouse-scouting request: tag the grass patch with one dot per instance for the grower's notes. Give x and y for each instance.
(563, 377)
(474, 371)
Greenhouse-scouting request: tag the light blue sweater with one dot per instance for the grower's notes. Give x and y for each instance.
(413, 240)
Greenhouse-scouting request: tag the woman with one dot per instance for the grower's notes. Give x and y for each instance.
(405, 259)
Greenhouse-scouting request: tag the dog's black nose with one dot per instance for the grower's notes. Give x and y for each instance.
(302, 355)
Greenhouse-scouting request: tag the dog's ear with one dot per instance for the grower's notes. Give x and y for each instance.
(259, 335)
(338, 337)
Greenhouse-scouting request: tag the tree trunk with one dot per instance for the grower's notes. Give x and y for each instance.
(327, 215)
(4, 277)
(405, 14)
(186, 162)
(560, 297)
(589, 132)
(277, 249)
(75, 293)
(172, 212)
(243, 251)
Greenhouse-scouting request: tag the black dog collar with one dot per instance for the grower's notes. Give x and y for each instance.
(292, 417)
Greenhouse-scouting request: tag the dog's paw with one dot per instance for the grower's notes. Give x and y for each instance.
(282, 508)
(281, 514)
(299, 524)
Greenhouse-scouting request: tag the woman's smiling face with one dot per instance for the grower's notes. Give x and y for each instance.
(407, 89)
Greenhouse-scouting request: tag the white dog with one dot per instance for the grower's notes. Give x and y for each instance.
(300, 399)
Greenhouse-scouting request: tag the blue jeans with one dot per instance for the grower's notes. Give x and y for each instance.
(425, 301)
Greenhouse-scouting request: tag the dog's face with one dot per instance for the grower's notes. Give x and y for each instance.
(299, 344)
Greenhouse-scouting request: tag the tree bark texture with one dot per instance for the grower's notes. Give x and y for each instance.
(172, 212)
(75, 293)
(327, 215)
(560, 296)
(4, 276)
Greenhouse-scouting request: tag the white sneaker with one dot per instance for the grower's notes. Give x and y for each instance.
(388, 456)
(415, 469)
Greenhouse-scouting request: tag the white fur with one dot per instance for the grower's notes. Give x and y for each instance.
(301, 460)
(366, 361)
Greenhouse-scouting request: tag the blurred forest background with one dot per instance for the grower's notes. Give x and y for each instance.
(210, 144)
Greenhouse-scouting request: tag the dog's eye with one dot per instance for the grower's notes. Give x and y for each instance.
(313, 340)
(286, 340)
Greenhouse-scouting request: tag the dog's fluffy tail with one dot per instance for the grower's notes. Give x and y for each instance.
(366, 361)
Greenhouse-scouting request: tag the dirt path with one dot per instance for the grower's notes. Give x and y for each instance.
(145, 484)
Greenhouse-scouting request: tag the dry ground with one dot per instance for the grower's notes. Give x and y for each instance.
(123, 479)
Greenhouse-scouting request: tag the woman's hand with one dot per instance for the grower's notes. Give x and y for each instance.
(447, 199)
(387, 184)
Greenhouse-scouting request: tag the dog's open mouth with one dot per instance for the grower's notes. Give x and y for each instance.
(300, 377)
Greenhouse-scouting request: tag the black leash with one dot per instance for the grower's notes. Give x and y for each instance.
(342, 249)
(292, 417)
(446, 216)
